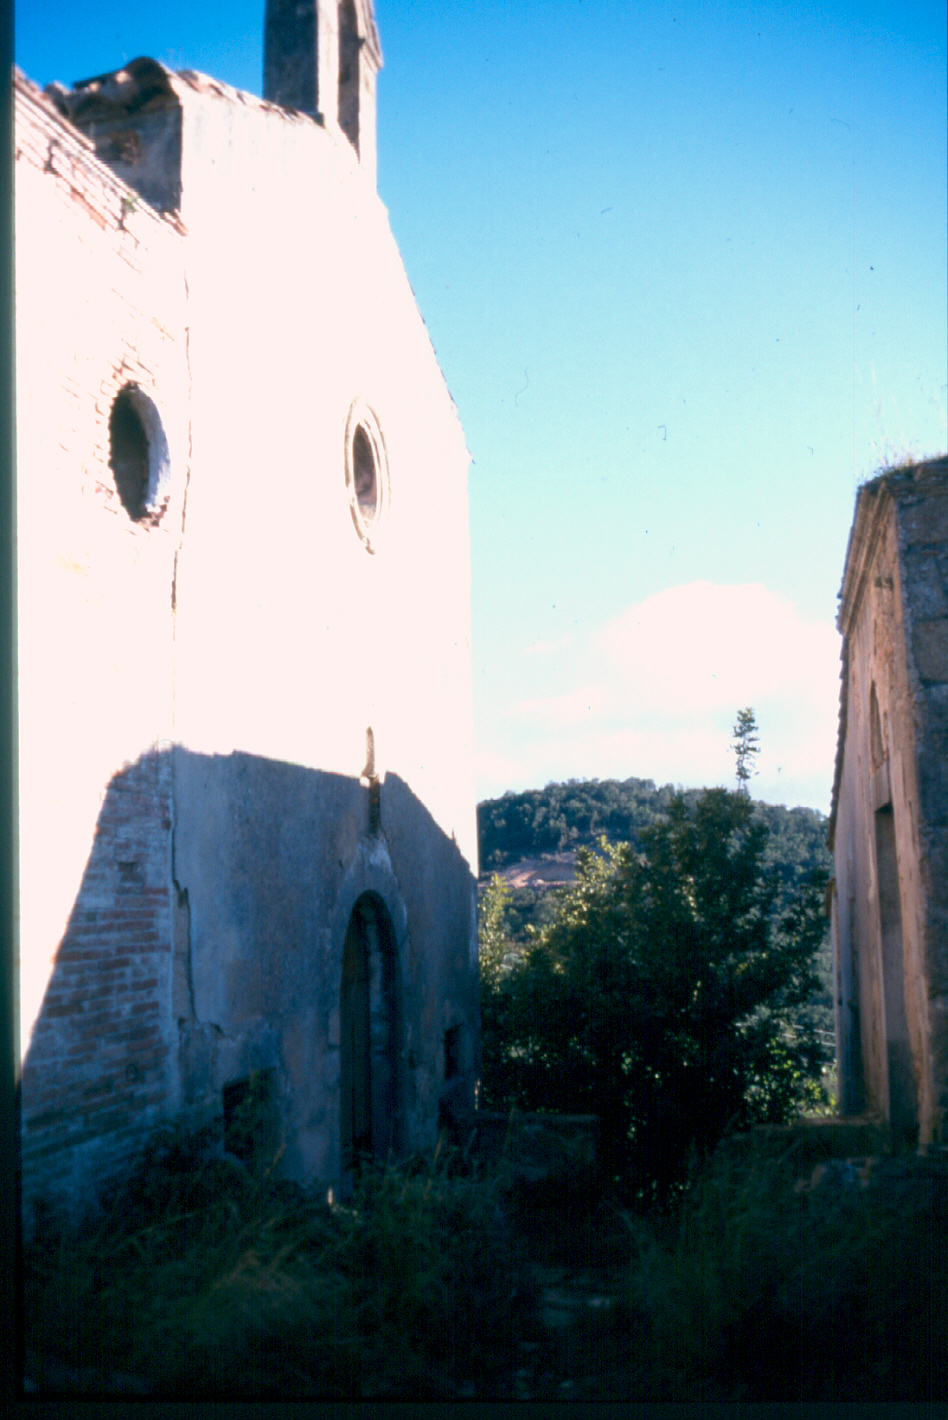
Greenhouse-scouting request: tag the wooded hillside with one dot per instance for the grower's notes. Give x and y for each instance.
(563, 817)
(566, 816)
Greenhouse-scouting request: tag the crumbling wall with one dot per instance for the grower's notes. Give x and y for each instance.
(888, 820)
(100, 1070)
(923, 548)
(100, 302)
(211, 644)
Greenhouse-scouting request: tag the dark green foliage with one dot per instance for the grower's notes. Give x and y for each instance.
(765, 1291)
(529, 909)
(567, 816)
(200, 1280)
(669, 997)
(795, 848)
(770, 1283)
(580, 812)
(745, 746)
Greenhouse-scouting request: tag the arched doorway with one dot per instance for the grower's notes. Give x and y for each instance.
(903, 1094)
(898, 1064)
(369, 1037)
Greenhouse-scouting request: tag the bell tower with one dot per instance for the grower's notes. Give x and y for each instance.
(322, 57)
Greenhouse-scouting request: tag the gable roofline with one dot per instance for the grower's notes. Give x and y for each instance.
(874, 501)
(145, 84)
(70, 152)
(371, 37)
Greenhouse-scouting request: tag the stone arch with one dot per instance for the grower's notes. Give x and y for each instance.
(370, 937)
(370, 1030)
(877, 749)
(899, 1063)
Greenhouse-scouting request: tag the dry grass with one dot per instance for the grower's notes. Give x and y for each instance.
(199, 1281)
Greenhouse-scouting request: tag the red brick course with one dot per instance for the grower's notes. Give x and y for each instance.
(95, 1074)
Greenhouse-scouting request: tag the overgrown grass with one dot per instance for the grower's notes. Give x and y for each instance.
(205, 1282)
(766, 1291)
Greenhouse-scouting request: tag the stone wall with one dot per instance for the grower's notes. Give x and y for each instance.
(889, 806)
(270, 860)
(101, 305)
(300, 310)
(246, 736)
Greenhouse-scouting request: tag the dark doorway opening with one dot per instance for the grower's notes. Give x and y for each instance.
(370, 1035)
(250, 1118)
(903, 1096)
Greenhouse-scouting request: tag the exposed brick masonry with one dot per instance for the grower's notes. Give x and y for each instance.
(97, 1064)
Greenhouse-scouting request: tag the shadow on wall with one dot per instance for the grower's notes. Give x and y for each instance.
(252, 938)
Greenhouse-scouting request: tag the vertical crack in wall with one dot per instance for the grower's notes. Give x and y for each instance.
(184, 514)
(182, 973)
(182, 947)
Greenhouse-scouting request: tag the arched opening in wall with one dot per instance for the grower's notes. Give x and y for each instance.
(876, 742)
(138, 455)
(365, 475)
(250, 1124)
(349, 44)
(903, 1092)
(370, 1034)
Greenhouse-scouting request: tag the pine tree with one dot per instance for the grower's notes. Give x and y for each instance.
(745, 747)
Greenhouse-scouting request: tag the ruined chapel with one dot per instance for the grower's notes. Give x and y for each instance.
(889, 817)
(247, 848)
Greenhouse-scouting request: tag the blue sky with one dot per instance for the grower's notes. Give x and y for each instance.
(684, 268)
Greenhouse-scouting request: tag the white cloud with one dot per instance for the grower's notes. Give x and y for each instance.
(655, 691)
(559, 711)
(716, 646)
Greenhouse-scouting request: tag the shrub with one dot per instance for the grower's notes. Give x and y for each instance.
(668, 997)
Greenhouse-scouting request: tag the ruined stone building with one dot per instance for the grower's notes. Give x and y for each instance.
(247, 848)
(889, 819)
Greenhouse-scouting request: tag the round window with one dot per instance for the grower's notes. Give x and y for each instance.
(128, 456)
(366, 473)
(138, 455)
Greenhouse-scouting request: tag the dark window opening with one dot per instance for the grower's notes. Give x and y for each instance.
(349, 44)
(903, 1099)
(364, 474)
(131, 877)
(876, 743)
(452, 1052)
(249, 1116)
(129, 455)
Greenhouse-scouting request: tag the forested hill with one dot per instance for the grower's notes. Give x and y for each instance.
(566, 816)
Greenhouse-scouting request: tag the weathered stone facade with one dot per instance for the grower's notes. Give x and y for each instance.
(247, 837)
(889, 821)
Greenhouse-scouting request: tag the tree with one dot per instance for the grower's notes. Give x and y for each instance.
(745, 747)
(666, 997)
(493, 945)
